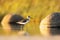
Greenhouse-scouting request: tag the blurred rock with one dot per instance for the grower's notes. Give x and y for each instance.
(9, 24)
(50, 25)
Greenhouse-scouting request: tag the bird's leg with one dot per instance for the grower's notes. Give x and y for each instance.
(21, 28)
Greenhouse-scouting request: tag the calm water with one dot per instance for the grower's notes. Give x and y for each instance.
(29, 38)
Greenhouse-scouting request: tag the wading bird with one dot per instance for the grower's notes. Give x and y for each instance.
(50, 25)
(14, 22)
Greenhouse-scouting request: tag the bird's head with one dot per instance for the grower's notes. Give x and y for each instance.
(28, 16)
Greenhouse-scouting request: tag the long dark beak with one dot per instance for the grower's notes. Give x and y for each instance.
(31, 17)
